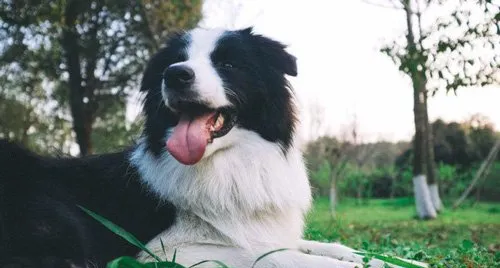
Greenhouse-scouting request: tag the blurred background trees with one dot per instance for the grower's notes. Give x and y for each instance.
(70, 65)
(386, 170)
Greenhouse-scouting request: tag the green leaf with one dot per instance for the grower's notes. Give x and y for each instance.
(120, 231)
(391, 260)
(267, 254)
(221, 264)
(163, 264)
(467, 244)
(497, 256)
(419, 255)
(365, 244)
(129, 262)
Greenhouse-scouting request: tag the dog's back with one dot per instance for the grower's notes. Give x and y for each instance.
(14, 160)
(41, 224)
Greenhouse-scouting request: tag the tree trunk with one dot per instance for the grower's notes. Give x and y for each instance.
(81, 123)
(435, 197)
(423, 200)
(88, 133)
(425, 208)
(336, 173)
(430, 159)
(359, 194)
(393, 187)
(333, 196)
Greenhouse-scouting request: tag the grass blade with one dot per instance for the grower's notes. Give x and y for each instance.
(391, 260)
(175, 255)
(163, 247)
(164, 264)
(121, 232)
(221, 264)
(129, 262)
(267, 254)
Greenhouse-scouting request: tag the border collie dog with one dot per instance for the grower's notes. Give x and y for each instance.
(216, 174)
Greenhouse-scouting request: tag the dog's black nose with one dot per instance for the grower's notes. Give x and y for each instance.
(178, 77)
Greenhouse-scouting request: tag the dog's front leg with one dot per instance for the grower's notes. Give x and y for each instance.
(240, 258)
(332, 250)
(341, 252)
(297, 259)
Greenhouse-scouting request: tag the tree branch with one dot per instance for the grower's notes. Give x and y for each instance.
(419, 23)
(410, 37)
(483, 169)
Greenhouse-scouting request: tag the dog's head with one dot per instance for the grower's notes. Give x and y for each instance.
(205, 85)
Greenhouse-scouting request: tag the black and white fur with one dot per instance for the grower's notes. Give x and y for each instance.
(246, 196)
(249, 193)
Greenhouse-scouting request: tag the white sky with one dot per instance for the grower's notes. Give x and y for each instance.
(340, 67)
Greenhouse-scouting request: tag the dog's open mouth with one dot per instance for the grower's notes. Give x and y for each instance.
(196, 129)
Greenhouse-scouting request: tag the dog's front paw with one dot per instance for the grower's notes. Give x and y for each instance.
(341, 252)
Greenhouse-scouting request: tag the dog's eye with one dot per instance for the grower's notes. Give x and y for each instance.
(225, 65)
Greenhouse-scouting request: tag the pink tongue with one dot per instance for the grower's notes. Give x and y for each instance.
(190, 138)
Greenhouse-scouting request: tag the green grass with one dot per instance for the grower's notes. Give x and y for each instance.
(466, 237)
(129, 262)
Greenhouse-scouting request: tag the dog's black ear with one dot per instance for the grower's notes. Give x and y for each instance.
(154, 70)
(273, 53)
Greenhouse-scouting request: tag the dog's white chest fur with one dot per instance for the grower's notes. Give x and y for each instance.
(249, 195)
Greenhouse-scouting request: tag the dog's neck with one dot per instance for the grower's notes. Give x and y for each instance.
(249, 191)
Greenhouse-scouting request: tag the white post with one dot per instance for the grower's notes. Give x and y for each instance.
(436, 200)
(423, 201)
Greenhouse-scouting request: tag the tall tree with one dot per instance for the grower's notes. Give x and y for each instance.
(87, 54)
(443, 54)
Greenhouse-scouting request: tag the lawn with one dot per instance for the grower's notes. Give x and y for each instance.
(466, 237)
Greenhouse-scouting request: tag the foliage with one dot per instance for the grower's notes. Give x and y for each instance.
(454, 181)
(387, 183)
(82, 58)
(388, 259)
(164, 17)
(28, 119)
(354, 166)
(447, 50)
(467, 237)
(320, 178)
(459, 147)
(489, 187)
(461, 144)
